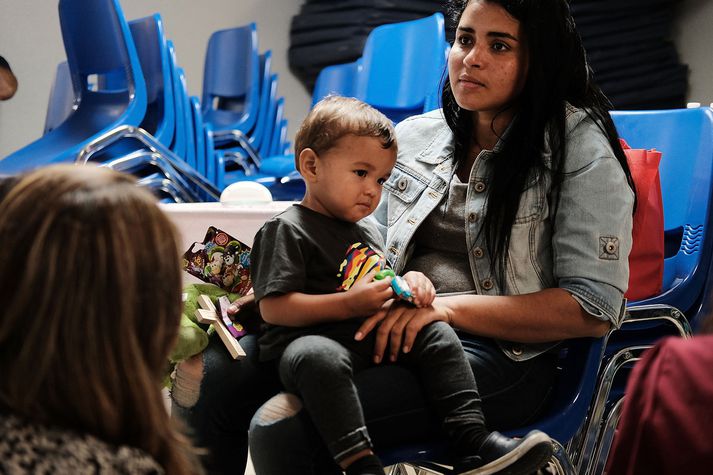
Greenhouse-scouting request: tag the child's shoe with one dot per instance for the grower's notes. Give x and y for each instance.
(503, 455)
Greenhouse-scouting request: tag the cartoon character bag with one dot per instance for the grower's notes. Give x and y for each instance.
(220, 259)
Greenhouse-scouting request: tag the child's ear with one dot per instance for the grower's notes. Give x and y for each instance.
(308, 164)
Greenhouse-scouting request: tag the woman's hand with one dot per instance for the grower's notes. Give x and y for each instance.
(398, 325)
(366, 296)
(421, 287)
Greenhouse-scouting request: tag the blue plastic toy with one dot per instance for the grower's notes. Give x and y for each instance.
(398, 284)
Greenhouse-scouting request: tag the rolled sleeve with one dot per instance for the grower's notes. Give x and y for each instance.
(592, 237)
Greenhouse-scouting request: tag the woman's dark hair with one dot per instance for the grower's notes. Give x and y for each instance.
(558, 73)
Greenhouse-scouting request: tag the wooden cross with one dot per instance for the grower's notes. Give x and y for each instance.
(208, 313)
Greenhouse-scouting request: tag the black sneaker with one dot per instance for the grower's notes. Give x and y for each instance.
(506, 456)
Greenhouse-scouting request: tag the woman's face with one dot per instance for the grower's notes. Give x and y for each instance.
(487, 65)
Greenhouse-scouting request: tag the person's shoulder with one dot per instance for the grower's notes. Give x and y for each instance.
(32, 448)
(587, 141)
(424, 134)
(431, 119)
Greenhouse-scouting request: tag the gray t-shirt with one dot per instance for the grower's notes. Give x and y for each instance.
(441, 250)
(301, 250)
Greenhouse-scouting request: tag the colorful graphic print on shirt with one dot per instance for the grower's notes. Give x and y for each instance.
(360, 259)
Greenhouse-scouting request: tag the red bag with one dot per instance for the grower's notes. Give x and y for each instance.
(647, 252)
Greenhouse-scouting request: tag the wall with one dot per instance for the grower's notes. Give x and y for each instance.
(694, 38)
(31, 41)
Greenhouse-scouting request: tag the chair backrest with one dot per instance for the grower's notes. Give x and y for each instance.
(271, 113)
(339, 79)
(403, 64)
(275, 144)
(186, 110)
(178, 145)
(152, 49)
(210, 160)
(61, 103)
(199, 135)
(258, 134)
(98, 43)
(231, 79)
(685, 138)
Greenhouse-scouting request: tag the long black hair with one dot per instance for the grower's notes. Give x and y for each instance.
(558, 73)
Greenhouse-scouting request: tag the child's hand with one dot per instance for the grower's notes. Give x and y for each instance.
(422, 288)
(367, 295)
(245, 301)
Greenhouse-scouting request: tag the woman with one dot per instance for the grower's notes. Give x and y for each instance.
(516, 201)
(90, 277)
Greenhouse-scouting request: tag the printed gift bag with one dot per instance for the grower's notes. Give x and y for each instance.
(647, 252)
(220, 259)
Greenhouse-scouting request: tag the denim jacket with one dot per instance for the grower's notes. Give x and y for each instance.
(583, 248)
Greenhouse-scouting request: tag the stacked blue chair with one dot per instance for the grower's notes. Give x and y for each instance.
(98, 43)
(162, 151)
(230, 79)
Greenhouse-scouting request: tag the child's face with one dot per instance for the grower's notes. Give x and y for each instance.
(349, 178)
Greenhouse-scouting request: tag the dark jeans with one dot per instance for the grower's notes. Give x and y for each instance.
(391, 396)
(320, 370)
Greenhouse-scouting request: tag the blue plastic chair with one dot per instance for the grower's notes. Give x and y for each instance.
(251, 148)
(61, 103)
(97, 42)
(566, 412)
(685, 138)
(402, 65)
(231, 79)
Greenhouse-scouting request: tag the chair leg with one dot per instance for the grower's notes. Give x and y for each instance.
(560, 464)
(584, 458)
(604, 443)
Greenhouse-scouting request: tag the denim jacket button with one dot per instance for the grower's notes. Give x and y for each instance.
(517, 350)
(478, 252)
(393, 250)
(472, 217)
(402, 184)
(479, 187)
(487, 283)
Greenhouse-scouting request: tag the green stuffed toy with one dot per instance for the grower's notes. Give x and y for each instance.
(193, 336)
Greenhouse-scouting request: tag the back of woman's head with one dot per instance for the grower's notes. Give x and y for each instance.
(91, 288)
